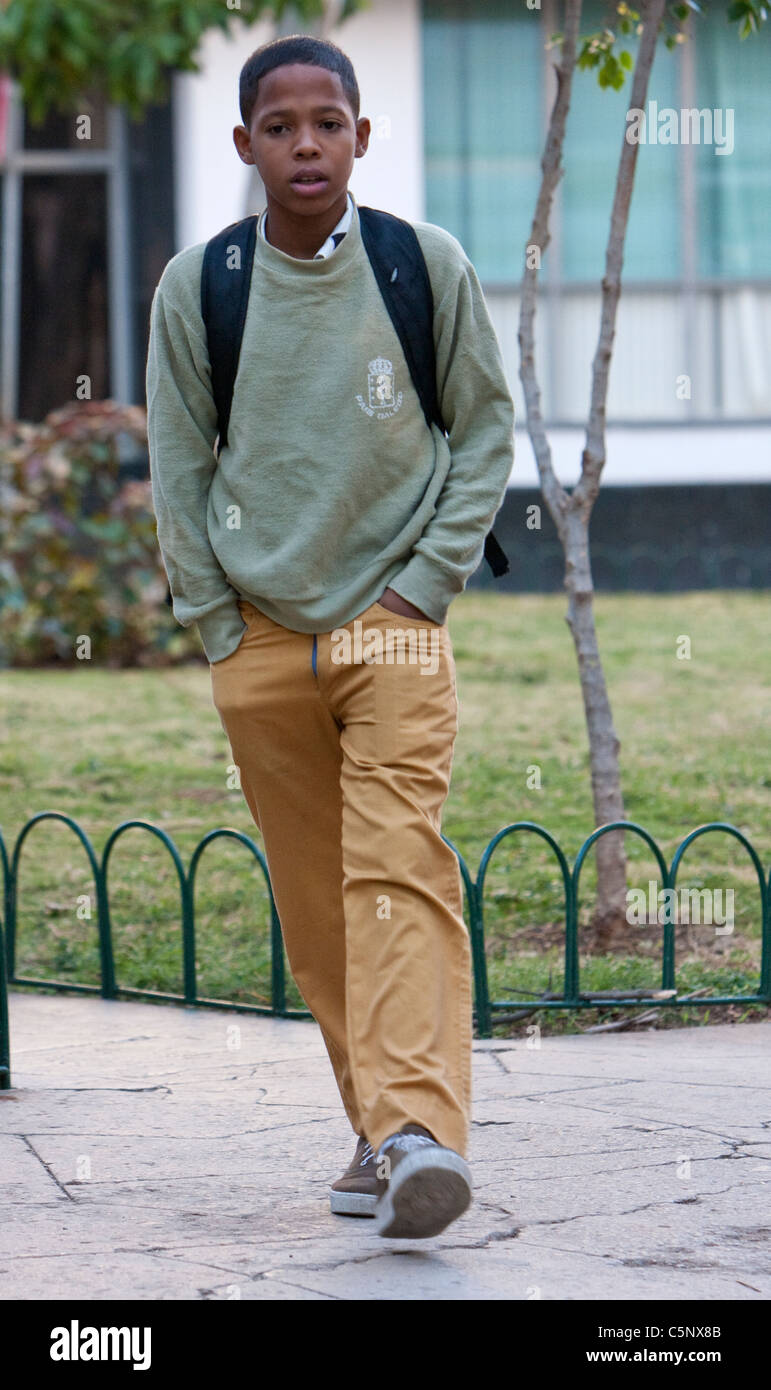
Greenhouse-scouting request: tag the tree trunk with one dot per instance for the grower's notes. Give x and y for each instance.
(608, 922)
(571, 512)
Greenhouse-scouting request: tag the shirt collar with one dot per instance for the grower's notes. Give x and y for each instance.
(335, 236)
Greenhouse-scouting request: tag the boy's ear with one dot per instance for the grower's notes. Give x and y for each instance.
(363, 130)
(242, 142)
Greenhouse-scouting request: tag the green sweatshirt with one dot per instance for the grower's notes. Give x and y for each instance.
(331, 486)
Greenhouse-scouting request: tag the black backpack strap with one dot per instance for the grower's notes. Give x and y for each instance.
(224, 301)
(400, 270)
(495, 556)
(402, 275)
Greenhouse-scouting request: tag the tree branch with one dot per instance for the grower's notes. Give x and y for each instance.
(593, 456)
(551, 167)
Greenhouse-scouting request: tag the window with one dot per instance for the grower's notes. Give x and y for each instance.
(87, 228)
(595, 130)
(64, 291)
(482, 84)
(734, 190)
(695, 213)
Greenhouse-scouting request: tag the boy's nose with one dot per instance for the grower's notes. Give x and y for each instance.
(307, 141)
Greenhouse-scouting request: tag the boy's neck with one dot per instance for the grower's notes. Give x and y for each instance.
(300, 236)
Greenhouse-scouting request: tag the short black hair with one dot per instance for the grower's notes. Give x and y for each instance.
(295, 48)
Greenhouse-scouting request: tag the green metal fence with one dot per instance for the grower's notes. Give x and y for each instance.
(572, 996)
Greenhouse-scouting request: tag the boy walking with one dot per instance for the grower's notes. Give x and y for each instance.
(329, 536)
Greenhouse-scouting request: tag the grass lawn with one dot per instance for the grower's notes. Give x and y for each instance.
(105, 746)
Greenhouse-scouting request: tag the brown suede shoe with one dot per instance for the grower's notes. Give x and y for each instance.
(354, 1194)
(422, 1186)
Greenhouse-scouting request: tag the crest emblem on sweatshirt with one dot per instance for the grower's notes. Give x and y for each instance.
(382, 399)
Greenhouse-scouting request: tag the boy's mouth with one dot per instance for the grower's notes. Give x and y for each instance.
(309, 183)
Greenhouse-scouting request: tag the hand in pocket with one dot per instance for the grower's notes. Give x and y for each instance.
(396, 604)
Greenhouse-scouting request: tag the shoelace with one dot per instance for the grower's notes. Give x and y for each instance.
(407, 1141)
(367, 1155)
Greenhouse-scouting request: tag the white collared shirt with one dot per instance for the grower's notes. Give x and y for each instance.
(335, 236)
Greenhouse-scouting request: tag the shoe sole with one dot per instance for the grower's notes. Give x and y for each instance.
(426, 1193)
(352, 1203)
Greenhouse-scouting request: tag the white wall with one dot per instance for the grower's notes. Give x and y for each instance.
(654, 456)
(213, 187)
(650, 351)
(385, 49)
(211, 184)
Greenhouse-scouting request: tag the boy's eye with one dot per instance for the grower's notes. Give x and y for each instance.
(330, 121)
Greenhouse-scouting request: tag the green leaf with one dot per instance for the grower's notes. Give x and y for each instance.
(56, 48)
(611, 73)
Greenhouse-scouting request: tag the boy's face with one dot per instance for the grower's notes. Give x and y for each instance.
(302, 127)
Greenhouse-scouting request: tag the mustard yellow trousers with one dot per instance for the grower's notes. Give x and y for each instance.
(344, 743)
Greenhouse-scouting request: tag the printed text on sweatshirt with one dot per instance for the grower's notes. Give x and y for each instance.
(331, 486)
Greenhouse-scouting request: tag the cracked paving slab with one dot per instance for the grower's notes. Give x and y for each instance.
(156, 1152)
(160, 1112)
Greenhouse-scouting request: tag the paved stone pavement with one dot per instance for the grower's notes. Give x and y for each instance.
(158, 1152)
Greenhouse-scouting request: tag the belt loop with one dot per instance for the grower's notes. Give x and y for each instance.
(313, 655)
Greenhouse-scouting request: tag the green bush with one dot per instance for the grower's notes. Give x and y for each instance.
(80, 569)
